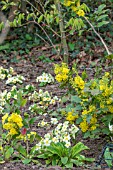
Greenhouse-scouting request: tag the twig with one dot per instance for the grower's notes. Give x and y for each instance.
(98, 36)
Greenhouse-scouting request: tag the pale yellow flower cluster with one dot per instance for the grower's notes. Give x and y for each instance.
(76, 7)
(12, 123)
(61, 72)
(78, 83)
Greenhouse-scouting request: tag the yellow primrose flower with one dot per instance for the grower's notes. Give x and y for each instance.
(70, 117)
(8, 126)
(15, 118)
(4, 118)
(81, 13)
(74, 8)
(61, 72)
(84, 112)
(93, 127)
(13, 131)
(65, 70)
(92, 108)
(79, 82)
(84, 126)
(109, 101)
(58, 78)
(110, 108)
(93, 120)
(67, 2)
(107, 74)
(102, 105)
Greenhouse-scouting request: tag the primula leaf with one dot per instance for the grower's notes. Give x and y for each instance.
(55, 149)
(32, 120)
(54, 161)
(69, 165)
(76, 162)
(22, 150)
(23, 102)
(44, 156)
(64, 160)
(26, 161)
(8, 153)
(78, 148)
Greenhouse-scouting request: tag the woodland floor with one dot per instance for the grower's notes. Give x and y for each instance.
(30, 70)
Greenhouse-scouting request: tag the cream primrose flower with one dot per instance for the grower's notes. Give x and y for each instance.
(66, 138)
(55, 98)
(42, 123)
(38, 146)
(15, 97)
(47, 142)
(46, 93)
(8, 95)
(45, 99)
(13, 88)
(59, 126)
(74, 128)
(47, 135)
(1, 109)
(11, 70)
(55, 139)
(56, 131)
(9, 76)
(2, 76)
(52, 101)
(45, 78)
(111, 128)
(2, 102)
(67, 144)
(27, 86)
(15, 79)
(39, 79)
(54, 121)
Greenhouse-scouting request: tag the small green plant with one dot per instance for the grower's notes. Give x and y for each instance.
(57, 149)
(59, 154)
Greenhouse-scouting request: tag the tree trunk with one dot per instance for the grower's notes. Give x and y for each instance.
(63, 36)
